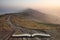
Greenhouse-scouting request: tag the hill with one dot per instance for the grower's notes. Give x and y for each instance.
(29, 20)
(39, 16)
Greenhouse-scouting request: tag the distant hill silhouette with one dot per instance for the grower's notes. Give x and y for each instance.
(35, 15)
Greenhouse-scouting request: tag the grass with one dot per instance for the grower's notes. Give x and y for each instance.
(3, 24)
(21, 21)
(18, 32)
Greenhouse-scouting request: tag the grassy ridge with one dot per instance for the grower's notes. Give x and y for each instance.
(21, 21)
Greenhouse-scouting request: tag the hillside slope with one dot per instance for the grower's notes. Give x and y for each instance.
(30, 20)
(3, 23)
(39, 16)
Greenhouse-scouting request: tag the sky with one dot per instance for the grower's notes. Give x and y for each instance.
(46, 6)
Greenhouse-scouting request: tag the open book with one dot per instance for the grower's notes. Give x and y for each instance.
(31, 35)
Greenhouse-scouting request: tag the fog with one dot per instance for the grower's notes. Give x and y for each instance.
(51, 7)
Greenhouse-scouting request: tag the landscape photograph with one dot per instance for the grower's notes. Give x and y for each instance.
(29, 19)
